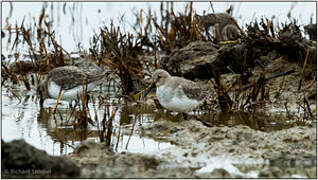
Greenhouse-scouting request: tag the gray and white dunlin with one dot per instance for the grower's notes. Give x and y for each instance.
(68, 79)
(176, 93)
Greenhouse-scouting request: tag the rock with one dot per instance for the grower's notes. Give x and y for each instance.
(98, 161)
(196, 60)
(21, 160)
(311, 30)
(91, 147)
(220, 173)
(265, 173)
(277, 172)
(225, 25)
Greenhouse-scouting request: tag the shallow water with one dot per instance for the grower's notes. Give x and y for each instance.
(23, 118)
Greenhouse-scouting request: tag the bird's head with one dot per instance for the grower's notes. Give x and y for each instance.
(159, 78)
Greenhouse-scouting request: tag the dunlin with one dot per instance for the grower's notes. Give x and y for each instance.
(176, 93)
(69, 80)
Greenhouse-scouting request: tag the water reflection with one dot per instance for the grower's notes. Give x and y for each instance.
(61, 131)
(125, 132)
(138, 112)
(55, 133)
(256, 120)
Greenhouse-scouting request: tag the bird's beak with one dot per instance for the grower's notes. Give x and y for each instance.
(149, 89)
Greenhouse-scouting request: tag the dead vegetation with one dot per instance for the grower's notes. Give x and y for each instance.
(264, 47)
(44, 53)
(119, 52)
(252, 56)
(176, 31)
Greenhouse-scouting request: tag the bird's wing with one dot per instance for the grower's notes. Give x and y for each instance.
(68, 78)
(97, 77)
(192, 90)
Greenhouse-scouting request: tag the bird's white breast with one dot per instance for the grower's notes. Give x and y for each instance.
(174, 99)
(69, 94)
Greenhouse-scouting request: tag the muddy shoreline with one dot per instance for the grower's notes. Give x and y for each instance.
(202, 152)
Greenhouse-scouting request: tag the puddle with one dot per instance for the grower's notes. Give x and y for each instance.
(56, 136)
(22, 118)
(257, 120)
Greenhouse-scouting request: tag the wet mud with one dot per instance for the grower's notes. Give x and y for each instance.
(204, 152)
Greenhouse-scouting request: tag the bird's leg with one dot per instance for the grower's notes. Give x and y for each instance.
(195, 112)
(76, 102)
(41, 102)
(184, 116)
(203, 122)
(87, 98)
